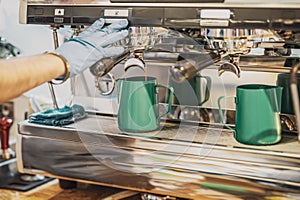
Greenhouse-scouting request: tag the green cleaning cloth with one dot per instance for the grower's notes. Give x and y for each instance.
(59, 117)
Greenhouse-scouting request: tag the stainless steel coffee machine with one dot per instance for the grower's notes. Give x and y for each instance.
(191, 155)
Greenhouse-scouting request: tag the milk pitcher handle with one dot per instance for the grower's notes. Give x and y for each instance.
(169, 95)
(221, 113)
(207, 89)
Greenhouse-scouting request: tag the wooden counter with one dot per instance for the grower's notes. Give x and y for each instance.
(52, 191)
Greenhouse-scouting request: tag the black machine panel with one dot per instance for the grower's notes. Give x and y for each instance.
(167, 1)
(271, 18)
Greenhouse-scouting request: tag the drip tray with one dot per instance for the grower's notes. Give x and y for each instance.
(11, 179)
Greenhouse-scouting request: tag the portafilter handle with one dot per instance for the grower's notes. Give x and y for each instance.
(188, 68)
(105, 65)
(5, 124)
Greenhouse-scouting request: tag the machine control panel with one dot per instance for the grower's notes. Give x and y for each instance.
(166, 13)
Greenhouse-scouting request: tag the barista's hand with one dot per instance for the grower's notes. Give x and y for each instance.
(91, 45)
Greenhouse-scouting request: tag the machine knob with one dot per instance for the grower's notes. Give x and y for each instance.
(5, 124)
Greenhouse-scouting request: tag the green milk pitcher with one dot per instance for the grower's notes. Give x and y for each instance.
(138, 104)
(257, 114)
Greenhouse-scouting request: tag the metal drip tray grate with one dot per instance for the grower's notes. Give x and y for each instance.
(11, 179)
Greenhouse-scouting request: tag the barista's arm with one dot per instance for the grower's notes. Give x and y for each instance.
(18, 75)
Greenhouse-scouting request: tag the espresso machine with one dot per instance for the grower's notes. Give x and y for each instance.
(192, 155)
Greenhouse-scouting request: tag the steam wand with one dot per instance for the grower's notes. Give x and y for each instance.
(73, 79)
(51, 88)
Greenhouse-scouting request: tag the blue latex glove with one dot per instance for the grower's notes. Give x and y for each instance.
(91, 45)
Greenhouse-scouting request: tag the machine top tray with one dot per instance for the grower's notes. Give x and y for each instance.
(185, 134)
